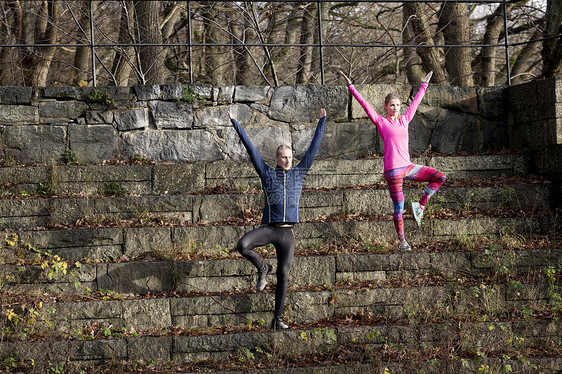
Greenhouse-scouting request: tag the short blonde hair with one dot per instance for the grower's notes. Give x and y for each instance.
(281, 147)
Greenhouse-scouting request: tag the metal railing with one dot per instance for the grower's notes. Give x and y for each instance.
(321, 44)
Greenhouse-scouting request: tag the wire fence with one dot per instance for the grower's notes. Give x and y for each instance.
(98, 42)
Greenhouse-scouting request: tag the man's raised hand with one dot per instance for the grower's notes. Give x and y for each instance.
(322, 112)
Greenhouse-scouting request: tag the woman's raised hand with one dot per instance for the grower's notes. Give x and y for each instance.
(427, 78)
(345, 77)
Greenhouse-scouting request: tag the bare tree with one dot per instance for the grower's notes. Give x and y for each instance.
(524, 64)
(38, 27)
(284, 28)
(211, 33)
(487, 58)
(262, 37)
(9, 57)
(552, 47)
(413, 62)
(149, 32)
(42, 24)
(82, 56)
(316, 57)
(124, 59)
(242, 62)
(456, 30)
(306, 37)
(429, 56)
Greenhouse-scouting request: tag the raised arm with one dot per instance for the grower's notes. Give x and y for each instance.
(371, 112)
(418, 98)
(427, 78)
(255, 156)
(308, 158)
(348, 81)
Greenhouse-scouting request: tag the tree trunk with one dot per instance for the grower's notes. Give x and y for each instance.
(456, 30)
(170, 20)
(212, 54)
(82, 56)
(487, 59)
(282, 58)
(124, 59)
(9, 64)
(316, 62)
(270, 64)
(46, 32)
(423, 33)
(152, 66)
(305, 56)
(414, 71)
(525, 62)
(552, 48)
(35, 62)
(242, 60)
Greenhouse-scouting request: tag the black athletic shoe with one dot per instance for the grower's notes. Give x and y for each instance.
(262, 277)
(277, 324)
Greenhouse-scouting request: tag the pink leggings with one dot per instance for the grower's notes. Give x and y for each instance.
(395, 179)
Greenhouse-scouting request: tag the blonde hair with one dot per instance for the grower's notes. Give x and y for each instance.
(281, 147)
(389, 97)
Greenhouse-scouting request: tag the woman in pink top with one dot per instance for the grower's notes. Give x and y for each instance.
(393, 130)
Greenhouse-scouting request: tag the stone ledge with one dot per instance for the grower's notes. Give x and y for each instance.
(177, 178)
(24, 214)
(291, 343)
(80, 244)
(139, 277)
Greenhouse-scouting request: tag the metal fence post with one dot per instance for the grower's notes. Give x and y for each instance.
(320, 41)
(506, 43)
(92, 45)
(189, 42)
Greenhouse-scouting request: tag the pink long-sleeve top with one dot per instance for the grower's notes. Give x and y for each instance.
(394, 133)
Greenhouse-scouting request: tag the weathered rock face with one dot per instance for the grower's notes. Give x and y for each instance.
(34, 144)
(190, 124)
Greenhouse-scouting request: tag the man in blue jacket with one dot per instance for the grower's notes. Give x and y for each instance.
(282, 187)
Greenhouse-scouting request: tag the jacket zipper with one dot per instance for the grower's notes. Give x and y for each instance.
(284, 195)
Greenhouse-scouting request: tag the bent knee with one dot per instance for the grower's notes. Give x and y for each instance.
(243, 246)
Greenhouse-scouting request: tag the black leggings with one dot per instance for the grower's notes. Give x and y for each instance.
(283, 240)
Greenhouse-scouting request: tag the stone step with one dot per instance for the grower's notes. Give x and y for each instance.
(236, 274)
(178, 178)
(207, 240)
(29, 213)
(301, 307)
(183, 325)
(321, 287)
(479, 344)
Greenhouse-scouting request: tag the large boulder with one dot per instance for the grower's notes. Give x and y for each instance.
(302, 103)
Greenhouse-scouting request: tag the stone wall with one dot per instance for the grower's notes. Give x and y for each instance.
(311, 341)
(170, 191)
(323, 298)
(534, 112)
(190, 124)
(535, 124)
(234, 274)
(133, 242)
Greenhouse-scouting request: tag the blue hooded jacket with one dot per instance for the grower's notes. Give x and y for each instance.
(282, 188)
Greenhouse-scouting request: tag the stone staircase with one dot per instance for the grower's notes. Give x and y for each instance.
(126, 268)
